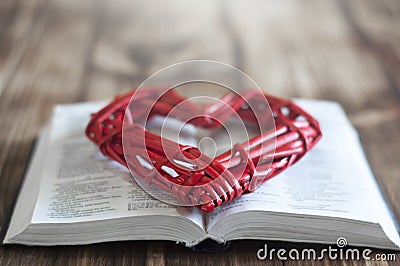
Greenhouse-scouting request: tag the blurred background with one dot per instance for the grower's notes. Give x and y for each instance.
(75, 50)
(62, 51)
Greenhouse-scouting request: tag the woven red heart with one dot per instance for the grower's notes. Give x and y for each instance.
(295, 133)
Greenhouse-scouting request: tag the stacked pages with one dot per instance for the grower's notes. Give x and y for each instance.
(73, 195)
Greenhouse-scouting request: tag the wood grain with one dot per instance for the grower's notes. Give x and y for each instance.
(54, 51)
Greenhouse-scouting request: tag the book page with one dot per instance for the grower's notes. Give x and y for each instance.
(80, 184)
(333, 179)
(25, 204)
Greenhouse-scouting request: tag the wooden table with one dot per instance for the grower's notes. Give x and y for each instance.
(59, 51)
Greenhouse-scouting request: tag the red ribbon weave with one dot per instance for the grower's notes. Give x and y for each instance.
(296, 132)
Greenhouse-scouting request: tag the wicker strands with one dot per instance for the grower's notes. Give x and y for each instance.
(211, 182)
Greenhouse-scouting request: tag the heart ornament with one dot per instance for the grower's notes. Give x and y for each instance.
(183, 171)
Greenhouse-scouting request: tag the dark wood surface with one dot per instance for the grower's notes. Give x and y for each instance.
(59, 51)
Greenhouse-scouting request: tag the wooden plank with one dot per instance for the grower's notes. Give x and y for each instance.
(153, 35)
(49, 62)
(292, 49)
(239, 253)
(7, 12)
(38, 68)
(374, 30)
(15, 34)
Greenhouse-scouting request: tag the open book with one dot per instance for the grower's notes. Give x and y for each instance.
(73, 195)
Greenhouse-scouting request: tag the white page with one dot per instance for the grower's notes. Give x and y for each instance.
(333, 179)
(80, 184)
(25, 204)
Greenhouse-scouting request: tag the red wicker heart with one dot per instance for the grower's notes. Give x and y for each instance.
(292, 138)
